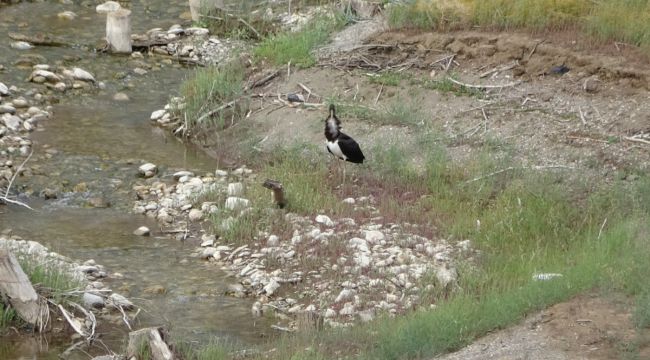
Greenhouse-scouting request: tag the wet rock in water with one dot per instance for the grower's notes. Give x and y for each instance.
(119, 300)
(195, 215)
(208, 240)
(98, 202)
(236, 203)
(142, 231)
(120, 96)
(12, 122)
(4, 90)
(20, 103)
(271, 287)
(66, 15)
(155, 289)
(60, 86)
(158, 114)
(41, 76)
(236, 290)
(21, 45)
(208, 252)
(221, 173)
(93, 301)
(49, 193)
(82, 75)
(147, 170)
(140, 71)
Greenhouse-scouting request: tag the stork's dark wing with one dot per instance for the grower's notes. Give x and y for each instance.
(350, 149)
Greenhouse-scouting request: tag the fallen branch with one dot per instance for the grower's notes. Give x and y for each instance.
(90, 317)
(483, 86)
(379, 94)
(636, 139)
(262, 81)
(530, 54)
(220, 108)
(73, 321)
(536, 167)
(499, 69)
(11, 181)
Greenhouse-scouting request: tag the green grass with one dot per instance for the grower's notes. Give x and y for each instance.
(447, 86)
(297, 47)
(608, 20)
(388, 78)
(398, 112)
(208, 89)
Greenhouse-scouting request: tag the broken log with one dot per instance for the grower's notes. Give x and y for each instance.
(278, 192)
(16, 287)
(154, 341)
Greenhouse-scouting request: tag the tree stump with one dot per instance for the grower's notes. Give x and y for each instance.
(15, 286)
(118, 30)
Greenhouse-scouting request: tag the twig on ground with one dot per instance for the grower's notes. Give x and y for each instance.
(536, 167)
(636, 139)
(289, 68)
(582, 116)
(530, 54)
(483, 86)
(5, 198)
(379, 94)
(600, 232)
(220, 108)
(499, 69)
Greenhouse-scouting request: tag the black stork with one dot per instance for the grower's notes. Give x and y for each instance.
(339, 144)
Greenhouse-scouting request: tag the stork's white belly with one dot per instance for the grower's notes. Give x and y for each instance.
(333, 146)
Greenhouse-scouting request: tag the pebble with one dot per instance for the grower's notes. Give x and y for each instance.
(195, 215)
(20, 103)
(4, 90)
(157, 115)
(120, 96)
(66, 15)
(142, 231)
(350, 201)
(21, 45)
(325, 220)
(147, 170)
(91, 301)
(82, 75)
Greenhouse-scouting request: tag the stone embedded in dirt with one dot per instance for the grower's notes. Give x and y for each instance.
(11, 121)
(348, 309)
(271, 287)
(208, 252)
(147, 170)
(325, 220)
(195, 215)
(349, 200)
(273, 241)
(207, 240)
(118, 300)
(49, 193)
(374, 236)
(221, 173)
(142, 231)
(93, 301)
(591, 85)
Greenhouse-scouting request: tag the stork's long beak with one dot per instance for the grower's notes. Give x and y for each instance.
(332, 110)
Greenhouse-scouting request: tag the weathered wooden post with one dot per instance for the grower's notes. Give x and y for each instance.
(118, 26)
(199, 7)
(15, 286)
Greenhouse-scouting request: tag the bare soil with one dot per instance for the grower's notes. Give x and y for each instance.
(594, 119)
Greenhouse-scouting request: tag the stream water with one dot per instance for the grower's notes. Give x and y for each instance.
(100, 143)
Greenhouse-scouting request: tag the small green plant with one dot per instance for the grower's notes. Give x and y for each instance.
(297, 47)
(209, 89)
(7, 316)
(388, 78)
(445, 85)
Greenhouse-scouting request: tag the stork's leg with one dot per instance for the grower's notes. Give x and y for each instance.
(343, 173)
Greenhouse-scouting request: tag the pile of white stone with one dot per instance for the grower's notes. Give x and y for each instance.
(18, 118)
(62, 79)
(340, 268)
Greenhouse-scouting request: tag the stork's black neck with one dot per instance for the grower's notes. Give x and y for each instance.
(332, 125)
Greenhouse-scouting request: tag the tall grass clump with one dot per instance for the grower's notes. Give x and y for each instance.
(209, 88)
(621, 20)
(423, 14)
(296, 47)
(536, 14)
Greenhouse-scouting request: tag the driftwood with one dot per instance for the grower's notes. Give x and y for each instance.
(16, 287)
(5, 198)
(154, 338)
(38, 39)
(483, 86)
(278, 192)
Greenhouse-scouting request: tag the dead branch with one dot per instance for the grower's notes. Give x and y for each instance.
(11, 181)
(73, 321)
(536, 167)
(278, 191)
(214, 111)
(636, 139)
(124, 317)
(483, 86)
(582, 116)
(90, 317)
(262, 80)
(530, 54)
(600, 232)
(379, 94)
(499, 69)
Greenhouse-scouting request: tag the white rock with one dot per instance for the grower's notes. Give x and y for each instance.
(344, 295)
(60, 86)
(179, 174)
(7, 109)
(329, 313)
(48, 75)
(142, 231)
(82, 75)
(208, 240)
(148, 170)
(221, 173)
(92, 301)
(21, 45)
(271, 287)
(119, 300)
(446, 275)
(120, 96)
(349, 200)
(4, 90)
(236, 203)
(235, 189)
(348, 309)
(157, 114)
(195, 215)
(374, 236)
(107, 7)
(325, 220)
(12, 122)
(66, 15)
(362, 260)
(273, 241)
(208, 252)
